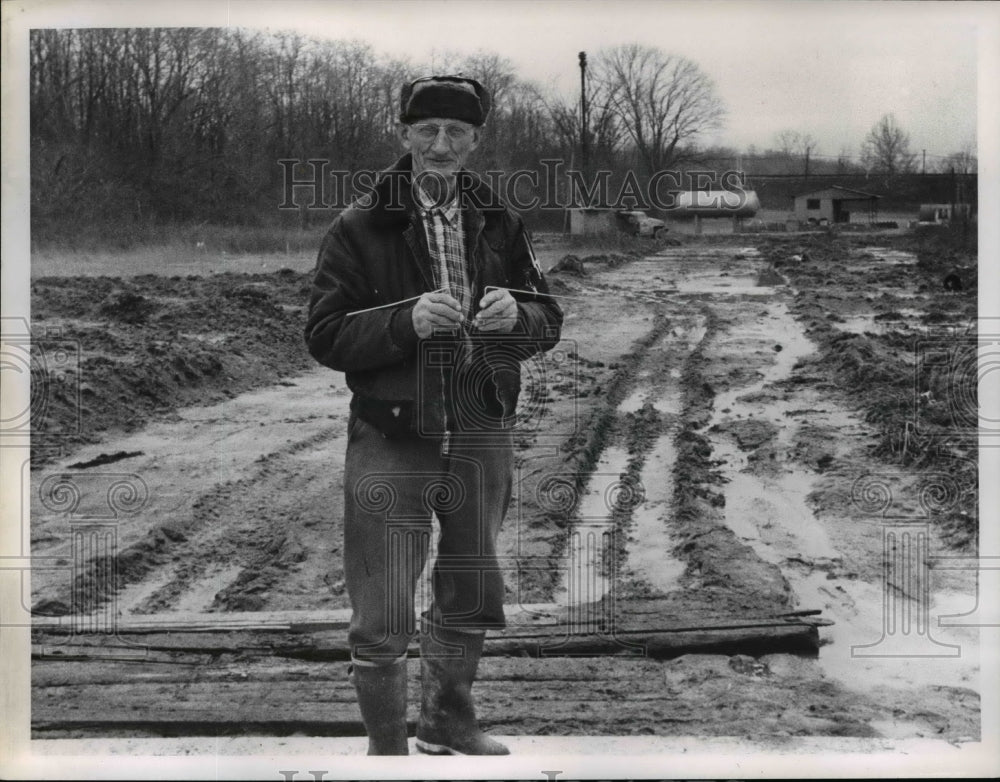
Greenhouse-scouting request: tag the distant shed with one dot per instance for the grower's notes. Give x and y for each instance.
(835, 205)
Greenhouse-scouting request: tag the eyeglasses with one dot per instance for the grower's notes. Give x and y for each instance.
(428, 131)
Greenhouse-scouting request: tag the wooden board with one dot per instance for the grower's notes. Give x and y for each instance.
(280, 674)
(745, 637)
(284, 697)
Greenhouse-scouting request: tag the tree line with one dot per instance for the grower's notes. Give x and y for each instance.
(188, 124)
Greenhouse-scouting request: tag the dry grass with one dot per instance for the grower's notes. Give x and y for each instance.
(181, 250)
(258, 238)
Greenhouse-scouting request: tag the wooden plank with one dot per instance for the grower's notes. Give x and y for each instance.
(631, 614)
(327, 705)
(53, 672)
(280, 697)
(750, 638)
(261, 621)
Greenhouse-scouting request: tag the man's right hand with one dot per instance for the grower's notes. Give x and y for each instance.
(436, 311)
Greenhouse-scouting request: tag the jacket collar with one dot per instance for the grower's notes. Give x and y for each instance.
(391, 200)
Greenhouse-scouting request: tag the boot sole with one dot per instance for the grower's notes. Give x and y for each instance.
(429, 748)
(435, 749)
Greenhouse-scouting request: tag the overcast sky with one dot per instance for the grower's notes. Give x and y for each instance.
(830, 69)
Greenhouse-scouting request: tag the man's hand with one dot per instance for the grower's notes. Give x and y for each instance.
(436, 311)
(497, 312)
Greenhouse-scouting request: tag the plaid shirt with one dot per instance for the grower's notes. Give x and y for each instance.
(446, 241)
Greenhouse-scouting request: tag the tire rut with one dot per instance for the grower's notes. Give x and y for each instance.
(229, 530)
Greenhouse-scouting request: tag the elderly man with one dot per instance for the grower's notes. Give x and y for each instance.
(427, 295)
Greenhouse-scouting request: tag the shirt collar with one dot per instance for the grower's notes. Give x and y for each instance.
(449, 210)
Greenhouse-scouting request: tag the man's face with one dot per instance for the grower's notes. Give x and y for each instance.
(439, 145)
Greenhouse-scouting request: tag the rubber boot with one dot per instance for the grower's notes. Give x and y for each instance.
(382, 698)
(448, 724)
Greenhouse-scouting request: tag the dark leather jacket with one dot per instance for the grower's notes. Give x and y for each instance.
(376, 253)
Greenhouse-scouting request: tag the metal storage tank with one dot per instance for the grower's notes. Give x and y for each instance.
(715, 203)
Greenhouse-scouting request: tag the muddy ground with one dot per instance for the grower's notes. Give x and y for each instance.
(743, 423)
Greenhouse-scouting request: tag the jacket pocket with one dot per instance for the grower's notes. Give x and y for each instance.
(393, 418)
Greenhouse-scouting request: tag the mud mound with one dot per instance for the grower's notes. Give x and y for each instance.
(160, 343)
(559, 286)
(749, 434)
(611, 259)
(250, 590)
(255, 296)
(770, 277)
(861, 362)
(127, 306)
(569, 264)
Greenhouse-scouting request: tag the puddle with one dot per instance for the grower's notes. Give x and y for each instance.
(885, 256)
(908, 320)
(586, 578)
(860, 324)
(200, 595)
(210, 339)
(595, 501)
(878, 640)
(878, 637)
(741, 286)
(894, 293)
(634, 401)
(667, 402)
(134, 595)
(772, 516)
(693, 336)
(777, 327)
(649, 556)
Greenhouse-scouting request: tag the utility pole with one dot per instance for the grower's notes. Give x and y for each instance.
(923, 166)
(584, 156)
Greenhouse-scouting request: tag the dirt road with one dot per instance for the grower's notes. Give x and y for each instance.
(687, 447)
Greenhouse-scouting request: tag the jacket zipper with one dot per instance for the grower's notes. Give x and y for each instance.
(470, 250)
(410, 235)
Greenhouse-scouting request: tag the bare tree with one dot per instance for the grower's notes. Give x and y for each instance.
(964, 161)
(795, 147)
(787, 141)
(663, 101)
(148, 124)
(886, 149)
(605, 130)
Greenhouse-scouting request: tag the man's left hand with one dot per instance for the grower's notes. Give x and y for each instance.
(497, 312)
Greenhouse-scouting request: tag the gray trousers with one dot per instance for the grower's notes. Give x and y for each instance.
(391, 488)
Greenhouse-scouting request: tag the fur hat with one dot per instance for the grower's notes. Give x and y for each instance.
(448, 97)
